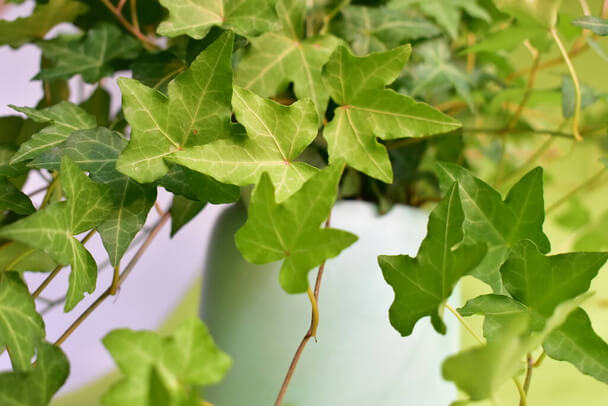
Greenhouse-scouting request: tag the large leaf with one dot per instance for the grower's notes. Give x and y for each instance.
(423, 284)
(52, 229)
(367, 110)
(276, 136)
(290, 230)
(36, 387)
(278, 58)
(189, 357)
(45, 16)
(498, 223)
(13, 199)
(96, 152)
(196, 17)
(63, 119)
(21, 328)
(373, 29)
(196, 112)
(89, 56)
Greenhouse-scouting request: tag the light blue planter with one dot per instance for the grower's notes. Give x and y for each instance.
(359, 358)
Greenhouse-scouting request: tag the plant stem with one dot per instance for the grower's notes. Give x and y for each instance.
(312, 331)
(464, 323)
(523, 401)
(529, 369)
(49, 192)
(577, 86)
(585, 7)
(574, 191)
(108, 292)
(540, 359)
(149, 45)
(116, 275)
(134, 18)
(576, 50)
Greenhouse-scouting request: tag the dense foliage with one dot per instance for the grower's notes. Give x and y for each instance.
(396, 102)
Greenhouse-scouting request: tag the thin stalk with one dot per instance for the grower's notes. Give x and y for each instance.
(577, 86)
(49, 192)
(523, 401)
(577, 49)
(540, 359)
(529, 369)
(604, 11)
(464, 323)
(590, 181)
(585, 7)
(115, 276)
(134, 18)
(128, 26)
(107, 293)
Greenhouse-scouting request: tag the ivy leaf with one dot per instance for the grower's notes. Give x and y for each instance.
(272, 231)
(197, 186)
(374, 29)
(588, 96)
(96, 152)
(21, 327)
(182, 211)
(540, 12)
(367, 110)
(276, 136)
(195, 17)
(89, 56)
(13, 199)
(63, 118)
(596, 25)
(498, 311)
(196, 112)
(278, 58)
(52, 228)
(189, 357)
(498, 223)
(423, 284)
(45, 16)
(14, 131)
(37, 386)
(36, 261)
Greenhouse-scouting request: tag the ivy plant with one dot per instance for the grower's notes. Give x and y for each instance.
(288, 106)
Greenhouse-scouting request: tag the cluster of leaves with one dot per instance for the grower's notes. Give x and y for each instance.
(308, 103)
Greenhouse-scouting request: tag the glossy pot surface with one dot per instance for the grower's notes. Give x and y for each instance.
(359, 358)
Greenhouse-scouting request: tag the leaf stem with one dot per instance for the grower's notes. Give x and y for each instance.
(116, 275)
(107, 293)
(540, 359)
(529, 369)
(464, 323)
(577, 86)
(574, 191)
(315, 313)
(147, 43)
(134, 18)
(523, 401)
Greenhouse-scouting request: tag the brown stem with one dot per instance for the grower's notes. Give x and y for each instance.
(310, 333)
(128, 26)
(108, 292)
(529, 369)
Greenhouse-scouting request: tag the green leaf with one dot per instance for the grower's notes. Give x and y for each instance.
(506, 40)
(196, 112)
(577, 343)
(89, 56)
(367, 110)
(278, 58)
(195, 17)
(541, 12)
(276, 136)
(423, 284)
(273, 231)
(52, 228)
(189, 357)
(37, 386)
(182, 211)
(13, 199)
(63, 119)
(374, 29)
(197, 186)
(596, 25)
(498, 311)
(45, 16)
(21, 327)
(36, 261)
(98, 105)
(498, 223)
(96, 152)
(588, 96)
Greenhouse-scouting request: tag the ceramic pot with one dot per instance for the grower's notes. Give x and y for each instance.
(359, 358)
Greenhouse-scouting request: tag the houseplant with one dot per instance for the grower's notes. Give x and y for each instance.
(233, 94)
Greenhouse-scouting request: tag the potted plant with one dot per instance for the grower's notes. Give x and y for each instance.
(418, 118)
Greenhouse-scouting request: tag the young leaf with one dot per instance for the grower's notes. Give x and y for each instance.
(63, 118)
(37, 386)
(596, 25)
(277, 58)
(276, 136)
(423, 284)
(273, 231)
(182, 211)
(189, 357)
(195, 17)
(45, 16)
(196, 112)
(13, 199)
(21, 327)
(498, 223)
(197, 186)
(368, 110)
(89, 56)
(96, 152)
(498, 311)
(52, 228)
(374, 29)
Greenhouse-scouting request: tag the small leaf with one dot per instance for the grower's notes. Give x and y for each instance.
(423, 284)
(197, 186)
(189, 357)
(367, 110)
(588, 96)
(21, 327)
(182, 211)
(596, 25)
(272, 231)
(13, 199)
(196, 17)
(45, 16)
(89, 56)
(498, 310)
